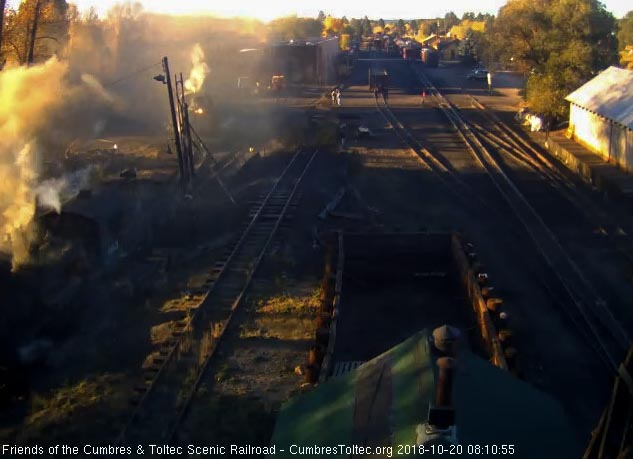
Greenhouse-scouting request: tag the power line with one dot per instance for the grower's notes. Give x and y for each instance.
(132, 74)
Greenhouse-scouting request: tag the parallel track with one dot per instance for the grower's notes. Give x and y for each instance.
(508, 141)
(171, 382)
(585, 308)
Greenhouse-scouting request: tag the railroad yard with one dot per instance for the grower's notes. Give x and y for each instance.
(226, 313)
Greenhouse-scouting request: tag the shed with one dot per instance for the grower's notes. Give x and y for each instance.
(306, 61)
(601, 116)
(385, 403)
(448, 49)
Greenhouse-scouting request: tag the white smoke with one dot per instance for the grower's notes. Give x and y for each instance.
(33, 100)
(52, 193)
(199, 71)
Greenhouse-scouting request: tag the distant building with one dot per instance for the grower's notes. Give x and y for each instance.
(601, 116)
(446, 46)
(306, 61)
(448, 49)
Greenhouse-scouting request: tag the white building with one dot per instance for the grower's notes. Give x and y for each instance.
(601, 116)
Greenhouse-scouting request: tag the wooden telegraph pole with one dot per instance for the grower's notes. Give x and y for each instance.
(174, 120)
(183, 111)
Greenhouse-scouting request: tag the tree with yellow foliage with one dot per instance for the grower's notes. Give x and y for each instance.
(332, 26)
(34, 30)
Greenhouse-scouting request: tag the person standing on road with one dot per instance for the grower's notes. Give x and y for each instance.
(338, 97)
(423, 95)
(333, 94)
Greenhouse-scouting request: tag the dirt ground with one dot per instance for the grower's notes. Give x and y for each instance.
(90, 346)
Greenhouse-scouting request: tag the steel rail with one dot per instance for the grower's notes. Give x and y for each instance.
(202, 304)
(533, 223)
(238, 301)
(448, 177)
(566, 187)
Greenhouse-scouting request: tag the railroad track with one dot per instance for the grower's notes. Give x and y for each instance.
(589, 312)
(441, 168)
(506, 140)
(175, 374)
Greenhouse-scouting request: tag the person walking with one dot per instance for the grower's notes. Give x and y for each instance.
(338, 97)
(423, 95)
(333, 94)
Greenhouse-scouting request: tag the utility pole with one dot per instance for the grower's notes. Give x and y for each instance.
(187, 127)
(174, 120)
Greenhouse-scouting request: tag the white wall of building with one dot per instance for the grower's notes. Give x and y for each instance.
(612, 141)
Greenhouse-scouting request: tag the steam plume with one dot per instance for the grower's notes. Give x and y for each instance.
(28, 95)
(199, 71)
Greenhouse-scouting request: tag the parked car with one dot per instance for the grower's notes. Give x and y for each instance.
(477, 74)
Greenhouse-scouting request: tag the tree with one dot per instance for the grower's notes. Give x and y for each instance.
(381, 23)
(293, 28)
(36, 30)
(450, 19)
(356, 26)
(3, 4)
(625, 38)
(427, 27)
(400, 27)
(563, 43)
(33, 32)
(625, 31)
(321, 16)
(414, 26)
(366, 27)
(332, 26)
(468, 47)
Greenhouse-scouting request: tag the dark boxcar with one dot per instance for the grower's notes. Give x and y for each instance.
(411, 53)
(430, 57)
(378, 79)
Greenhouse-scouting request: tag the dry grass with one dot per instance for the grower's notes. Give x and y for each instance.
(67, 410)
(284, 317)
(281, 328)
(287, 304)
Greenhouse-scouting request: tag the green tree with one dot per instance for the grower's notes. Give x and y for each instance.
(381, 23)
(450, 19)
(293, 27)
(563, 43)
(399, 29)
(625, 38)
(356, 26)
(366, 29)
(625, 30)
(469, 49)
(321, 16)
(414, 26)
(428, 27)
